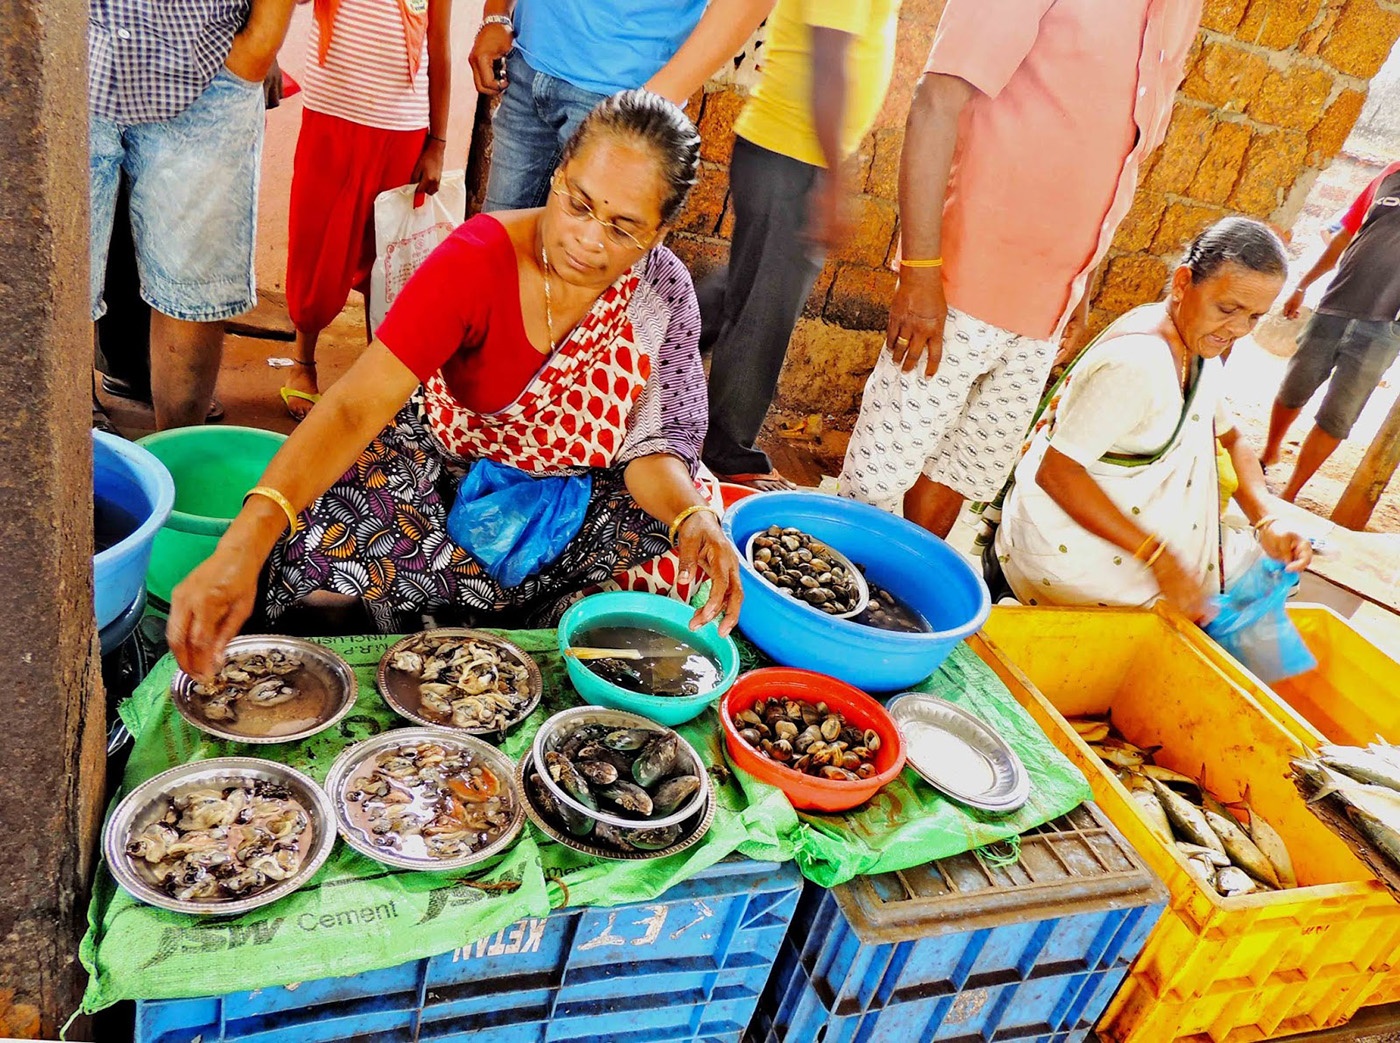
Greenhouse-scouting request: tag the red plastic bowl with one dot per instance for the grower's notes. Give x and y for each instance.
(805, 791)
(730, 494)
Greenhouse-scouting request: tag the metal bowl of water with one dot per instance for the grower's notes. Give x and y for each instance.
(326, 694)
(145, 805)
(354, 763)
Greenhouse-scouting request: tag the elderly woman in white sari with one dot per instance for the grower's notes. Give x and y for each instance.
(1117, 500)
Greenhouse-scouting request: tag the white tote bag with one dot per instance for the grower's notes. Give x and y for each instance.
(404, 235)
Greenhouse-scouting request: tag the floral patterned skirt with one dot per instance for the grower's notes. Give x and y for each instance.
(380, 534)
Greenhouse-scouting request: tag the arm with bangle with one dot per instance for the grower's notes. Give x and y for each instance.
(661, 485)
(427, 172)
(1077, 494)
(919, 308)
(494, 39)
(1255, 500)
(214, 601)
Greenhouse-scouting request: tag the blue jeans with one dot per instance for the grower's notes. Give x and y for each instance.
(1355, 353)
(538, 113)
(194, 201)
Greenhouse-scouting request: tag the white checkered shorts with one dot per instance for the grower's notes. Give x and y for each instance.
(962, 427)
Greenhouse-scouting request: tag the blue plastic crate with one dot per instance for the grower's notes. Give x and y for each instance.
(960, 950)
(688, 966)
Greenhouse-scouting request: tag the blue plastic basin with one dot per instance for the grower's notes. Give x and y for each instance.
(910, 562)
(126, 477)
(669, 616)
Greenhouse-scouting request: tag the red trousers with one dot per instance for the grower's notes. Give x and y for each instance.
(339, 168)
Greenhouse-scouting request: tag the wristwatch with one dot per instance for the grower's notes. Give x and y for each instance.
(497, 19)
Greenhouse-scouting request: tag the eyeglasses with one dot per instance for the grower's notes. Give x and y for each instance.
(579, 210)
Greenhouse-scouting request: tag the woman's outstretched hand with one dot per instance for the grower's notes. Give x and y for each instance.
(207, 610)
(702, 546)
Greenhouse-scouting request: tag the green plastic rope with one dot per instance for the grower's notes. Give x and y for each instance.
(995, 859)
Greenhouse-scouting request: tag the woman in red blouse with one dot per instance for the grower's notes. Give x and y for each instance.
(558, 343)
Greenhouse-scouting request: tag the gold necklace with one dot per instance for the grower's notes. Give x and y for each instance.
(548, 302)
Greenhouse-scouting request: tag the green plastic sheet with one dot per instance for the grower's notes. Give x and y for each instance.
(357, 915)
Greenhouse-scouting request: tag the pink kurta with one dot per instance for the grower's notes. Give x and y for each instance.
(1074, 95)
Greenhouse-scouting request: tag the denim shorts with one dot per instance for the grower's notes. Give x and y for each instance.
(1355, 352)
(194, 201)
(538, 113)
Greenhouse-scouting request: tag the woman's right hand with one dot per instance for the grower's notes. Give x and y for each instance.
(207, 610)
(1179, 587)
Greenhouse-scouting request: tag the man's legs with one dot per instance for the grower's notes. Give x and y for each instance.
(771, 272)
(104, 176)
(905, 418)
(1307, 369)
(1365, 350)
(194, 185)
(933, 506)
(1281, 418)
(536, 115)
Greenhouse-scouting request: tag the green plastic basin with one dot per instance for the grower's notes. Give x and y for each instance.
(213, 468)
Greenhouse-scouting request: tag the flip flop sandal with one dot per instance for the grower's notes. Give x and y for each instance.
(118, 388)
(748, 480)
(290, 393)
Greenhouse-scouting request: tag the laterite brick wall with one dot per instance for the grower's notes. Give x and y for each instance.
(1272, 89)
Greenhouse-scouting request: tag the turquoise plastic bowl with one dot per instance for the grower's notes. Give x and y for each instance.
(626, 608)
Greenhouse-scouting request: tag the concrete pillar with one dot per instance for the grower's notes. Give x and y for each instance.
(51, 742)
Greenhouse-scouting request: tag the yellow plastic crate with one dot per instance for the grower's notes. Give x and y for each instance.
(1225, 970)
(1350, 698)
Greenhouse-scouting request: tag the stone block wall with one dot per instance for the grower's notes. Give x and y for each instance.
(1272, 89)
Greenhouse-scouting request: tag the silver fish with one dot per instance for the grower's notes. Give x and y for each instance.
(1202, 870)
(1242, 851)
(1155, 814)
(1267, 839)
(1189, 820)
(1232, 881)
(1205, 854)
(1362, 765)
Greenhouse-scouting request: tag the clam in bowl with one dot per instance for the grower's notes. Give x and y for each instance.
(271, 689)
(426, 799)
(219, 837)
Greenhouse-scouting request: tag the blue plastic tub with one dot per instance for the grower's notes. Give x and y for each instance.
(911, 562)
(961, 950)
(129, 481)
(686, 966)
(628, 608)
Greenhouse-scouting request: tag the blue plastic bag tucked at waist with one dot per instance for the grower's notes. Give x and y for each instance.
(514, 523)
(1252, 624)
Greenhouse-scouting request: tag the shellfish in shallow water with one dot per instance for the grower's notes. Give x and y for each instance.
(218, 843)
(465, 682)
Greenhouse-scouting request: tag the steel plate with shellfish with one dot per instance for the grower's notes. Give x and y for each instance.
(219, 837)
(421, 798)
(468, 680)
(270, 689)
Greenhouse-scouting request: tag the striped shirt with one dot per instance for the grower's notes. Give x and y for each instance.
(365, 78)
(149, 60)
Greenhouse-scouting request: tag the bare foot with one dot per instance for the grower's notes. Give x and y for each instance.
(301, 377)
(770, 482)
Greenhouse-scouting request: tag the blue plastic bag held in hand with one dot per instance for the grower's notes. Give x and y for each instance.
(516, 524)
(1253, 625)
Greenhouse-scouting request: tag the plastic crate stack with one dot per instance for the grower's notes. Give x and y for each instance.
(689, 965)
(963, 949)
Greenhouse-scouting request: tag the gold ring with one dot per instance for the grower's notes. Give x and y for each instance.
(901, 340)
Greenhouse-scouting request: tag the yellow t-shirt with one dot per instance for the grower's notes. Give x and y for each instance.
(778, 115)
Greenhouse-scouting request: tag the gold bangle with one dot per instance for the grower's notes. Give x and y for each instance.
(681, 518)
(280, 500)
(1143, 546)
(932, 262)
(1152, 558)
(1264, 522)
